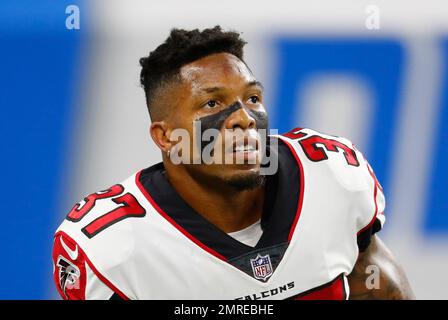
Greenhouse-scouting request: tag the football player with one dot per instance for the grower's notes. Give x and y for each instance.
(197, 229)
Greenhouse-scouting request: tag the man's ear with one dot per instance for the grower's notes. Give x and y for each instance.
(160, 133)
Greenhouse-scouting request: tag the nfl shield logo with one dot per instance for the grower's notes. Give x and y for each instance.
(262, 267)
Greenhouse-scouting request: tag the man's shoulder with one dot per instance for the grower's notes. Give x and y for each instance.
(321, 148)
(103, 234)
(312, 136)
(104, 220)
(335, 166)
(330, 157)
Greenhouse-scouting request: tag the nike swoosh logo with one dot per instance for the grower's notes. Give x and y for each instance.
(72, 253)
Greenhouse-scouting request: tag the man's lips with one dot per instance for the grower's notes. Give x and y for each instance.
(247, 143)
(245, 150)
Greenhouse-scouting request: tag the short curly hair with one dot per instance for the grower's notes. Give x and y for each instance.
(180, 48)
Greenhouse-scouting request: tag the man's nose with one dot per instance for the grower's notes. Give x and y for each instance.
(240, 119)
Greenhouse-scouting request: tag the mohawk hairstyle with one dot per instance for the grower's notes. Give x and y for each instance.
(183, 47)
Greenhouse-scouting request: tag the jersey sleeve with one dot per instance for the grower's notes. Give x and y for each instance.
(344, 166)
(372, 204)
(74, 275)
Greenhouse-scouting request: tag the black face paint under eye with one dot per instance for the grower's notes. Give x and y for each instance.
(260, 117)
(213, 121)
(216, 121)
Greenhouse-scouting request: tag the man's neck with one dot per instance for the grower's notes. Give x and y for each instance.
(227, 208)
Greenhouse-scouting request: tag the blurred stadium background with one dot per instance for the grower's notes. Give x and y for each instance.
(74, 118)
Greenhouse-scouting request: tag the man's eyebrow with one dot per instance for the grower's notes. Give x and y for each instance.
(255, 83)
(212, 89)
(249, 84)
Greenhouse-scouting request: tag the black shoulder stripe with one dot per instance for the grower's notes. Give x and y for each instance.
(364, 237)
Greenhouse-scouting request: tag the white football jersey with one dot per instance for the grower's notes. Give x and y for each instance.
(140, 240)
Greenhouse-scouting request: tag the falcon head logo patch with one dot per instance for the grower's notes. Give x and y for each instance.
(69, 268)
(68, 274)
(261, 267)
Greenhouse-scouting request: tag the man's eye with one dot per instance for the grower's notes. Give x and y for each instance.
(212, 103)
(254, 99)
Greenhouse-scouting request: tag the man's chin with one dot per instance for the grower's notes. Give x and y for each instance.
(246, 181)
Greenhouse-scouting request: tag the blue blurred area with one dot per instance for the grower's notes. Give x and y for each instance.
(378, 62)
(40, 67)
(436, 219)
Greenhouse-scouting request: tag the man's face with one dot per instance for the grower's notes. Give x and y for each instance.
(219, 92)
